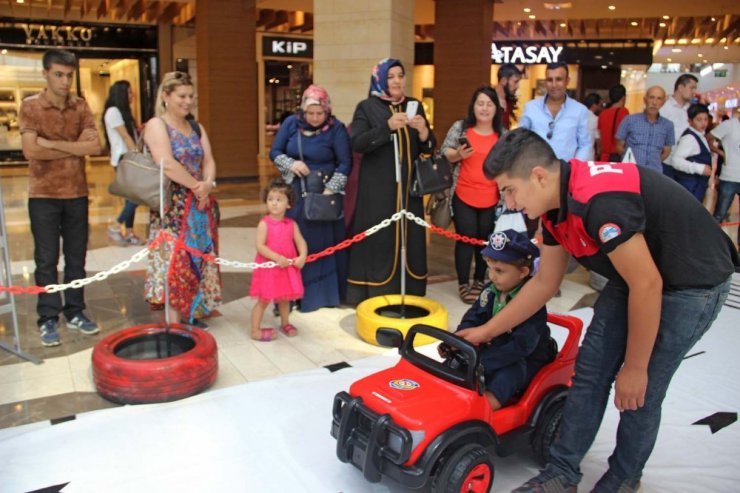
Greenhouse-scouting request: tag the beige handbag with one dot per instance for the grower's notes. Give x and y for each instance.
(137, 178)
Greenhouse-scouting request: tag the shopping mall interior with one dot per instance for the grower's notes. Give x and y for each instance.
(264, 425)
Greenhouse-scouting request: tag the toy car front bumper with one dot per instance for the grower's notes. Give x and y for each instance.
(370, 441)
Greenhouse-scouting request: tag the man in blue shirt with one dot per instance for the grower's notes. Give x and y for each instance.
(560, 120)
(649, 135)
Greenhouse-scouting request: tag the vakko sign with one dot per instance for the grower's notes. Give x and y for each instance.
(56, 35)
(525, 54)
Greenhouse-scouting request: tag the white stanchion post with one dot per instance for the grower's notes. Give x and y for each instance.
(399, 181)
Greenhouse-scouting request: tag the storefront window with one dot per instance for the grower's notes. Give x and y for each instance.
(20, 73)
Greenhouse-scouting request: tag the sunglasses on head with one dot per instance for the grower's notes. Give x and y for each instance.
(551, 126)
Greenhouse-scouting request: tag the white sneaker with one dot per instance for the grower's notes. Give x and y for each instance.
(114, 233)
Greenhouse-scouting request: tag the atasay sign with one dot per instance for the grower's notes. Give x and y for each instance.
(528, 54)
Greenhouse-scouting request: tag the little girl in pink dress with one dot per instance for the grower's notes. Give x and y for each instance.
(279, 240)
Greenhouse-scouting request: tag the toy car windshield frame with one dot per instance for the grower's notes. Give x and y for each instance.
(468, 377)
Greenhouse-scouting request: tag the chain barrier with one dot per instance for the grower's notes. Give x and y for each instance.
(165, 236)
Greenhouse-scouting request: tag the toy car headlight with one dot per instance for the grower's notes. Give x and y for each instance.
(395, 442)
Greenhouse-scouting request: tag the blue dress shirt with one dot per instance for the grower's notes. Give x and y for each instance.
(646, 139)
(568, 131)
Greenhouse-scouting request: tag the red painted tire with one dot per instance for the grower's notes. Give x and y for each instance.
(161, 379)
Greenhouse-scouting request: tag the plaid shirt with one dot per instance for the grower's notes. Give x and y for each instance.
(646, 139)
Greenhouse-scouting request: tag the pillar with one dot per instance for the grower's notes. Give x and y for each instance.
(350, 38)
(227, 83)
(463, 31)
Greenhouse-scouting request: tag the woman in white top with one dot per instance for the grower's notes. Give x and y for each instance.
(120, 132)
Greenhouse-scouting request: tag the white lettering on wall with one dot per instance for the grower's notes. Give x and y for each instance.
(294, 47)
(529, 54)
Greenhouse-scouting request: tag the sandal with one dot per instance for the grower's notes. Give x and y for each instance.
(289, 330)
(266, 335)
(465, 295)
(476, 288)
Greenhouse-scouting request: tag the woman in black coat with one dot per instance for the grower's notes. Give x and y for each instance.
(374, 265)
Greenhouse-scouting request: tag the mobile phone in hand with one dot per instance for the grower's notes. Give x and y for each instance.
(411, 108)
(463, 141)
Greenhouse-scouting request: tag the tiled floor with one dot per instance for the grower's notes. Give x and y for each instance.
(62, 385)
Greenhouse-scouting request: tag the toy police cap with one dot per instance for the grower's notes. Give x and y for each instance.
(510, 245)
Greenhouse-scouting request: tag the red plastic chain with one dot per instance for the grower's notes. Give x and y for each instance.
(456, 236)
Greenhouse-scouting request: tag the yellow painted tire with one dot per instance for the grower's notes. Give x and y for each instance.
(369, 320)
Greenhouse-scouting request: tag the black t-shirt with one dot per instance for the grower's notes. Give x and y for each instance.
(603, 205)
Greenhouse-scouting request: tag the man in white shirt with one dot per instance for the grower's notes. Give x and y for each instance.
(675, 109)
(729, 180)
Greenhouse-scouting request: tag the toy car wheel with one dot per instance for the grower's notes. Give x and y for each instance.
(546, 430)
(469, 469)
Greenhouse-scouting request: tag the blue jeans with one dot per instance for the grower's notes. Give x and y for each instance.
(725, 195)
(685, 316)
(127, 214)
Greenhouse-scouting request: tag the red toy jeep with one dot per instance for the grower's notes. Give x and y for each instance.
(424, 420)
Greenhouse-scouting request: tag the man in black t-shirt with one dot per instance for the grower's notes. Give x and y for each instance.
(668, 265)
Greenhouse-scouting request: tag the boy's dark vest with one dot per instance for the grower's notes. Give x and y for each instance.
(586, 181)
(704, 156)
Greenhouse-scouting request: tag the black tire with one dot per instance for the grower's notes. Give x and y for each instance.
(139, 381)
(546, 430)
(469, 464)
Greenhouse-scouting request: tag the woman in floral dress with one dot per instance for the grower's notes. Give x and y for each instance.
(192, 215)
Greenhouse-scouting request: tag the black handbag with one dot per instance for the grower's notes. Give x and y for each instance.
(318, 206)
(432, 174)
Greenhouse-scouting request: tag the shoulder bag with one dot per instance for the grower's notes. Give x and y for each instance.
(432, 174)
(137, 176)
(438, 209)
(319, 206)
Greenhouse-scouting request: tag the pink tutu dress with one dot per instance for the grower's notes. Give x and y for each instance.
(277, 283)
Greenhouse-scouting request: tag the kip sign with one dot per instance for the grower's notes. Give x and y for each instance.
(525, 54)
(275, 46)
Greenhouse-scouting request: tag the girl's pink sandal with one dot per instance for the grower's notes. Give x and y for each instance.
(289, 330)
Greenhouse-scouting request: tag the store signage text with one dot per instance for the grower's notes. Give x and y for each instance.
(276, 46)
(56, 35)
(285, 47)
(528, 54)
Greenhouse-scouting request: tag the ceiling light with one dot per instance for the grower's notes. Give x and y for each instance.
(676, 50)
(633, 23)
(532, 16)
(290, 66)
(683, 41)
(668, 59)
(19, 1)
(603, 67)
(563, 24)
(612, 7)
(666, 17)
(700, 55)
(670, 41)
(709, 41)
(714, 20)
(527, 9)
(4, 52)
(662, 24)
(727, 47)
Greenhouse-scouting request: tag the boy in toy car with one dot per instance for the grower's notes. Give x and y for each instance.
(511, 359)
